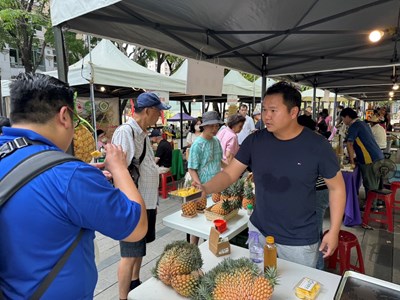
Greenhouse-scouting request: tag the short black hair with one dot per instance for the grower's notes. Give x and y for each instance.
(37, 98)
(243, 105)
(235, 119)
(4, 121)
(291, 95)
(348, 112)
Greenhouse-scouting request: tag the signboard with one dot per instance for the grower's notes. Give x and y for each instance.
(232, 99)
(204, 78)
(106, 113)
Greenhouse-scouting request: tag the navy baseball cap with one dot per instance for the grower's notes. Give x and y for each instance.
(155, 133)
(150, 100)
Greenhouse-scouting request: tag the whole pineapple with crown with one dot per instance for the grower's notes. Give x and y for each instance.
(236, 279)
(236, 191)
(179, 266)
(189, 209)
(226, 194)
(248, 195)
(223, 207)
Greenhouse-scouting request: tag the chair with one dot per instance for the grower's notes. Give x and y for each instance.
(342, 255)
(165, 187)
(387, 215)
(393, 187)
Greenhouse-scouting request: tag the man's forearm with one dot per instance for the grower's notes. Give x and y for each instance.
(337, 203)
(218, 183)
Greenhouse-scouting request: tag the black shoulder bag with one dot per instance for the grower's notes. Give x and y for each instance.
(20, 175)
(133, 168)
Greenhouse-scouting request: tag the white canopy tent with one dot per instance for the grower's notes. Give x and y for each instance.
(320, 94)
(109, 66)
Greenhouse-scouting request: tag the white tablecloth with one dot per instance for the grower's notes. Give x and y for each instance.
(289, 275)
(200, 226)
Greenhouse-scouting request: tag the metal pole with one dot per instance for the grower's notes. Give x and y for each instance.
(263, 85)
(92, 93)
(334, 110)
(313, 101)
(62, 66)
(181, 124)
(2, 109)
(203, 109)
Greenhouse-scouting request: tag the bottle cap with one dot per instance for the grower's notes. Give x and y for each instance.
(249, 206)
(270, 239)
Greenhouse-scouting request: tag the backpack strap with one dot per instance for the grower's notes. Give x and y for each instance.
(44, 285)
(144, 146)
(25, 171)
(28, 169)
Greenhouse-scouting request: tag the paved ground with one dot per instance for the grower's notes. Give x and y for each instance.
(381, 252)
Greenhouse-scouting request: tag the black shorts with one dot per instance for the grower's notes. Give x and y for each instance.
(138, 249)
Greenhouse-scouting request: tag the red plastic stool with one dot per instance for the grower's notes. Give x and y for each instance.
(165, 188)
(387, 215)
(393, 187)
(342, 254)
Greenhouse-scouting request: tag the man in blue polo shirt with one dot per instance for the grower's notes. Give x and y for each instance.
(361, 142)
(41, 220)
(286, 159)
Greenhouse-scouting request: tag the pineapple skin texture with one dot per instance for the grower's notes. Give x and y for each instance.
(84, 144)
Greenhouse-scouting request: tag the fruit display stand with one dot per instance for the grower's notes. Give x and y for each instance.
(289, 275)
(200, 226)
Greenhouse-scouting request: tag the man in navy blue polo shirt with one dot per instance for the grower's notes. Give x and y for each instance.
(286, 159)
(42, 219)
(361, 142)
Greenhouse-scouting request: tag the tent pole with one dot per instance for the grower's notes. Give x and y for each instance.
(180, 102)
(263, 84)
(334, 110)
(203, 109)
(62, 67)
(313, 101)
(92, 93)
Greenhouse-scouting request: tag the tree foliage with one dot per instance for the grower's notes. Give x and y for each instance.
(19, 21)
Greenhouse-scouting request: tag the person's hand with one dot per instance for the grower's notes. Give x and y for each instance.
(329, 244)
(115, 158)
(101, 167)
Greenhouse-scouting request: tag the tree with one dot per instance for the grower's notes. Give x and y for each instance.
(19, 21)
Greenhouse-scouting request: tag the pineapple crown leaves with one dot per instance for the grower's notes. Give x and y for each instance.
(77, 117)
(248, 190)
(181, 250)
(271, 273)
(237, 204)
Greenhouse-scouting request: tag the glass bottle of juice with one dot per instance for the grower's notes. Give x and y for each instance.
(270, 253)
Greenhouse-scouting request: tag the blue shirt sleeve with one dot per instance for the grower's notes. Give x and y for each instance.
(93, 203)
(352, 133)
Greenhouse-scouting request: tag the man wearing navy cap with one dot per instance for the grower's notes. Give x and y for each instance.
(133, 137)
(163, 152)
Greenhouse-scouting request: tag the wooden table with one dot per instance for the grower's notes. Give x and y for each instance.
(289, 275)
(200, 226)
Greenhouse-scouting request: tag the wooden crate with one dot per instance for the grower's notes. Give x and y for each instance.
(211, 216)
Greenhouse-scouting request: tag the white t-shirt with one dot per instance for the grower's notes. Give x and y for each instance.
(248, 127)
(380, 135)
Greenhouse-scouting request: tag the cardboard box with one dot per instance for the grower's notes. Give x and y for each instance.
(217, 245)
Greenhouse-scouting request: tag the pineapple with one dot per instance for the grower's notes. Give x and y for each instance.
(223, 207)
(235, 191)
(248, 195)
(186, 284)
(225, 194)
(178, 258)
(216, 197)
(236, 279)
(201, 203)
(189, 208)
(84, 143)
